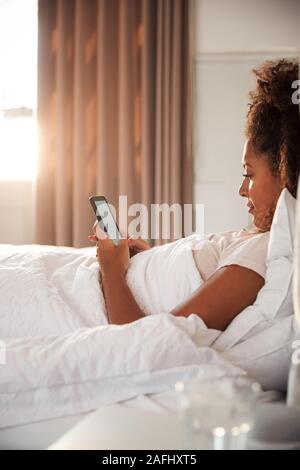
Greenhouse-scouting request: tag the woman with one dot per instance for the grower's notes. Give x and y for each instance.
(271, 162)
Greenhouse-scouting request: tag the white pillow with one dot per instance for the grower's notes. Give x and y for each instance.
(282, 230)
(296, 285)
(275, 298)
(263, 332)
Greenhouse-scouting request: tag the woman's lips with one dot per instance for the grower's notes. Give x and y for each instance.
(250, 208)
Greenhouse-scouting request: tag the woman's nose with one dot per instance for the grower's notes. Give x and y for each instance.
(243, 191)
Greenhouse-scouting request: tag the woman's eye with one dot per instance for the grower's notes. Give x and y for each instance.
(247, 176)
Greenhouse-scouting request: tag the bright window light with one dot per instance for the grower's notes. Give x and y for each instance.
(18, 89)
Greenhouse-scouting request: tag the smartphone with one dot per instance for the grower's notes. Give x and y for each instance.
(105, 218)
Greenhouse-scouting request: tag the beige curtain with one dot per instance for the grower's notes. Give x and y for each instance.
(113, 109)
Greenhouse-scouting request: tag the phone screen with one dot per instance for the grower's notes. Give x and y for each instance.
(105, 218)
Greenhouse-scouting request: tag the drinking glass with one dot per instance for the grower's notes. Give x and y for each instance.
(218, 414)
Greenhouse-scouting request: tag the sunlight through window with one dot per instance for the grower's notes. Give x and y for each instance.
(18, 89)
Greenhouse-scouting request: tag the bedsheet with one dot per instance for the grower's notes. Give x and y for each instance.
(61, 356)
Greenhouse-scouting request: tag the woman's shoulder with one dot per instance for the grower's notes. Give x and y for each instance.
(223, 239)
(229, 237)
(232, 238)
(253, 231)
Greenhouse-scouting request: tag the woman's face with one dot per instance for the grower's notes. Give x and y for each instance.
(261, 187)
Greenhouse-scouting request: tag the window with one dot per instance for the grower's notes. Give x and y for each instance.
(18, 89)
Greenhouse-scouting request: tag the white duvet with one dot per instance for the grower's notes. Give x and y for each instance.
(61, 355)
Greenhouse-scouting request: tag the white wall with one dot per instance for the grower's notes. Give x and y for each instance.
(231, 38)
(246, 25)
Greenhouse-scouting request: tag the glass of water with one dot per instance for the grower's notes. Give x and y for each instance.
(218, 414)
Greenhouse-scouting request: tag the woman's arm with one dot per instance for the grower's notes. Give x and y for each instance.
(113, 260)
(121, 306)
(225, 294)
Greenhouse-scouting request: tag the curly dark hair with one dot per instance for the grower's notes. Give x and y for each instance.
(273, 120)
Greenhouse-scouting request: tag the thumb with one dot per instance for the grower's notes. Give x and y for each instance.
(92, 238)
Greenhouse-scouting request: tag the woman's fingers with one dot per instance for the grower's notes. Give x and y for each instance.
(95, 227)
(138, 243)
(135, 245)
(106, 247)
(92, 238)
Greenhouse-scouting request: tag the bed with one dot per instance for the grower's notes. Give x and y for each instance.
(63, 361)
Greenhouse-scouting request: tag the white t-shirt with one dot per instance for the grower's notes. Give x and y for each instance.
(247, 247)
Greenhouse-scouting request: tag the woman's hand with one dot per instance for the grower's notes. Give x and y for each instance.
(113, 259)
(97, 233)
(137, 245)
